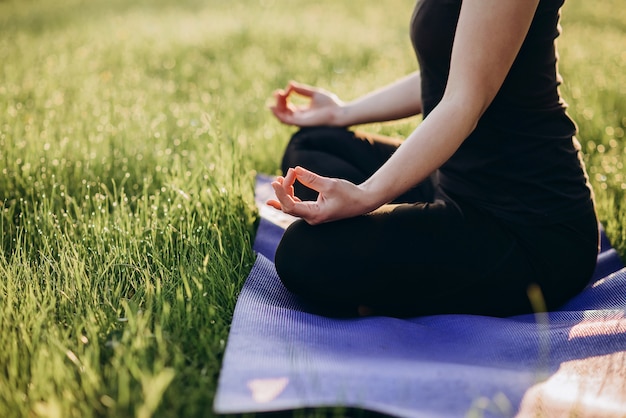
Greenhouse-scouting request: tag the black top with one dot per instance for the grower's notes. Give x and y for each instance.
(522, 162)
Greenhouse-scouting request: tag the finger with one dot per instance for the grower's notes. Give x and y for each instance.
(290, 179)
(302, 89)
(281, 99)
(284, 116)
(285, 200)
(288, 182)
(310, 179)
(274, 203)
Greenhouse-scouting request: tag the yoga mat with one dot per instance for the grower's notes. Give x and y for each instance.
(281, 356)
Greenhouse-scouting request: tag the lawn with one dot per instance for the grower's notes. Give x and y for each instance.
(130, 134)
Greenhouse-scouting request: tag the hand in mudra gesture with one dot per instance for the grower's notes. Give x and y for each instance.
(320, 110)
(337, 199)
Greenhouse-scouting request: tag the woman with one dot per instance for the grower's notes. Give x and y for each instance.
(490, 193)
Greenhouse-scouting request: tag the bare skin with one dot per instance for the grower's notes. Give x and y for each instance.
(479, 64)
(396, 101)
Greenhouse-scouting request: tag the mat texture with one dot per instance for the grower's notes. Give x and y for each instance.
(280, 356)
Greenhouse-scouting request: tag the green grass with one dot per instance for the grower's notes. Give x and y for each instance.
(130, 133)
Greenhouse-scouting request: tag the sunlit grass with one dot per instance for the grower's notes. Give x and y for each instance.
(130, 133)
(593, 58)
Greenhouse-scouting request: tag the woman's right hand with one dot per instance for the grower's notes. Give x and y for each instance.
(321, 110)
(337, 198)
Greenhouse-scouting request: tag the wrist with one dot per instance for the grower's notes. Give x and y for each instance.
(371, 197)
(340, 116)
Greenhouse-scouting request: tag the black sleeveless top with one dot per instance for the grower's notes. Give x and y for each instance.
(522, 162)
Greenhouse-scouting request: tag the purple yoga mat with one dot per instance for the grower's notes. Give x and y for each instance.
(281, 356)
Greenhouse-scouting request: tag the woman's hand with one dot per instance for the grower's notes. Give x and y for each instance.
(337, 199)
(322, 108)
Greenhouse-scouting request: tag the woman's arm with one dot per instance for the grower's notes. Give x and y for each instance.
(396, 101)
(488, 37)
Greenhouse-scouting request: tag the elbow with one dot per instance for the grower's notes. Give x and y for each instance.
(464, 109)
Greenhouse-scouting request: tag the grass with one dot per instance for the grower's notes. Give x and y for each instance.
(130, 133)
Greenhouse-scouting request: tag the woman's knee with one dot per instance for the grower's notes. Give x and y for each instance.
(290, 260)
(304, 270)
(304, 259)
(313, 137)
(310, 139)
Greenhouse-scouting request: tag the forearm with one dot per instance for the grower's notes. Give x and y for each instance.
(398, 100)
(430, 145)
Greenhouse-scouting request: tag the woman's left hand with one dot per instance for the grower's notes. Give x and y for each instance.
(337, 199)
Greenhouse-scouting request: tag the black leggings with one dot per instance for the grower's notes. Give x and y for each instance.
(431, 254)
